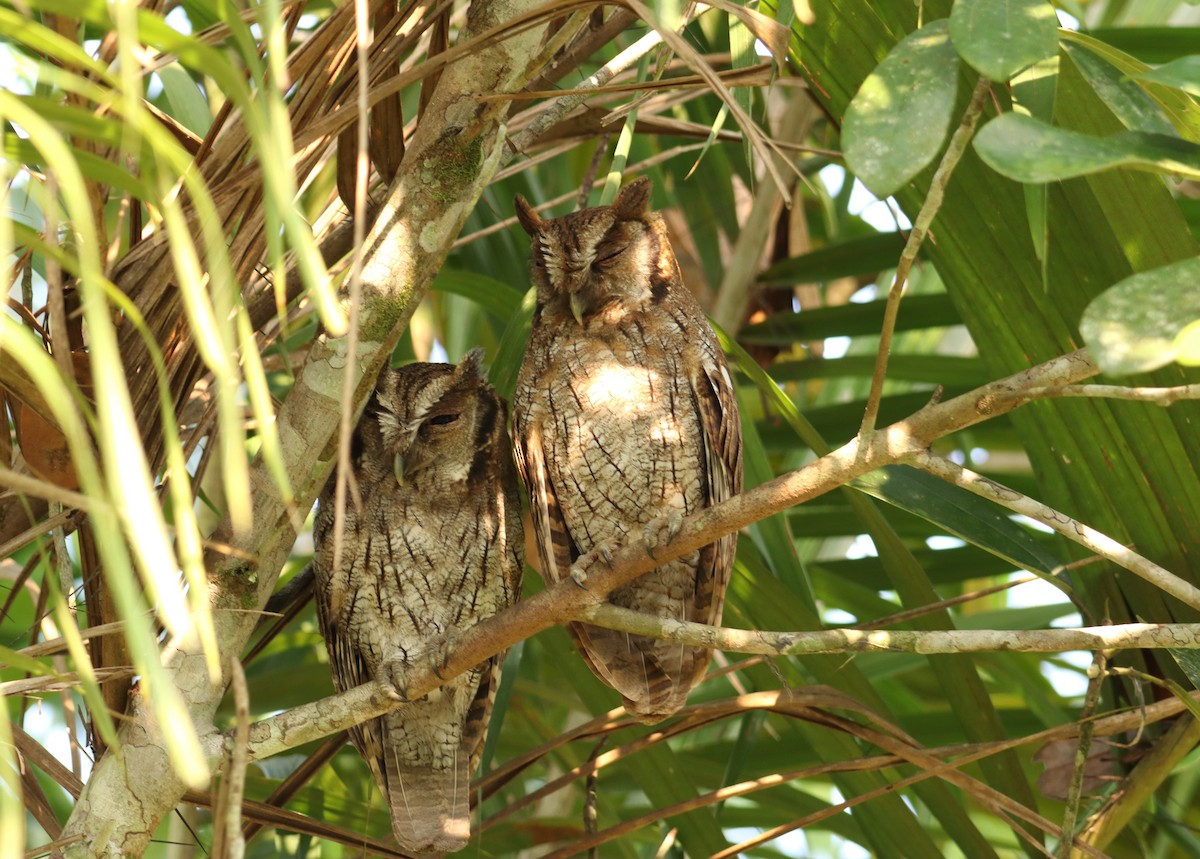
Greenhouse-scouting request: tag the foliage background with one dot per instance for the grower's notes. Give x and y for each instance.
(178, 225)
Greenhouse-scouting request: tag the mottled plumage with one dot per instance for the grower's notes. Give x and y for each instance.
(431, 544)
(625, 413)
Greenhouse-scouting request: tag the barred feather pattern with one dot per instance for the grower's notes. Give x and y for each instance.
(431, 544)
(625, 413)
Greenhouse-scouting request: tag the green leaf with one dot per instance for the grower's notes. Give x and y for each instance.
(1001, 37)
(1134, 326)
(962, 514)
(1183, 73)
(910, 97)
(1178, 107)
(1033, 93)
(187, 103)
(1110, 78)
(860, 255)
(1189, 661)
(1024, 149)
(1187, 345)
(492, 295)
(916, 311)
(1150, 44)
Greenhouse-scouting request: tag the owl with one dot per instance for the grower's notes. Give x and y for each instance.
(625, 421)
(431, 544)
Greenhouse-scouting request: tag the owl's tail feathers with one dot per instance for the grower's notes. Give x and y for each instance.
(431, 810)
(662, 691)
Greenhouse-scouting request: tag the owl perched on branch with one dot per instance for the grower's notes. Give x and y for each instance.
(625, 415)
(431, 543)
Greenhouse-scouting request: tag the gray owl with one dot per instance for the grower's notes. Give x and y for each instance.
(624, 415)
(432, 543)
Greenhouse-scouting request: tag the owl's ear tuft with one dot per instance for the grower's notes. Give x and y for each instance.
(531, 221)
(470, 366)
(633, 201)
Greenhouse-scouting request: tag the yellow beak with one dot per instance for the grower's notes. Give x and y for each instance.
(398, 468)
(577, 308)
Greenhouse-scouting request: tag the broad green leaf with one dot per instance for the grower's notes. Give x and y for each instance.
(1132, 327)
(1024, 149)
(1001, 37)
(1183, 73)
(1189, 661)
(910, 98)
(865, 254)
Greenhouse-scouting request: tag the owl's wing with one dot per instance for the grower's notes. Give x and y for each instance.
(556, 550)
(331, 594)
(716, 403)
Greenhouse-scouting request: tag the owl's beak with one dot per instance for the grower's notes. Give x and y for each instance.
(576, 302)
(398, 468)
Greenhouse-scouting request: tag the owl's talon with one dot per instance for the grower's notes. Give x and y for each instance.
(439, 656)
(672, 522)
(605, 553)
(579, 577)
(394, 682)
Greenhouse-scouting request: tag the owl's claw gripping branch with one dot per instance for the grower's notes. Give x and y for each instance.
(672, 522)
(392, 676)
(579, 577)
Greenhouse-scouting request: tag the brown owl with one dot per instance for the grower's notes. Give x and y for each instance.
(624, 415)
(431, 543)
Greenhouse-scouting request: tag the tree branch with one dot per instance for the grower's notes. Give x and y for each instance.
(565, 601)
(1129, 636)
(1090, 538)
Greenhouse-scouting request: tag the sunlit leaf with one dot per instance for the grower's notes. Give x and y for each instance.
(1183, 73)
(1139, 324)
(1027, 150)
(1002, 37)
(909, 97)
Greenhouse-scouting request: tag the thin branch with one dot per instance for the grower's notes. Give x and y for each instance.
(1086, 730)
(1073, 530)
(563, 105)
(1127, 636)
(1156, 396)
(929, 209)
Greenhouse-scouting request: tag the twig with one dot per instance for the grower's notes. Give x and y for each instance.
(228, 839)
(1073, 530)
(1127, 636)
(1086, 729)
(563, 105)
(1156, 396)
(929, 209)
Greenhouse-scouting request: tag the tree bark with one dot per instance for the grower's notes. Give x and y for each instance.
(447, 165)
